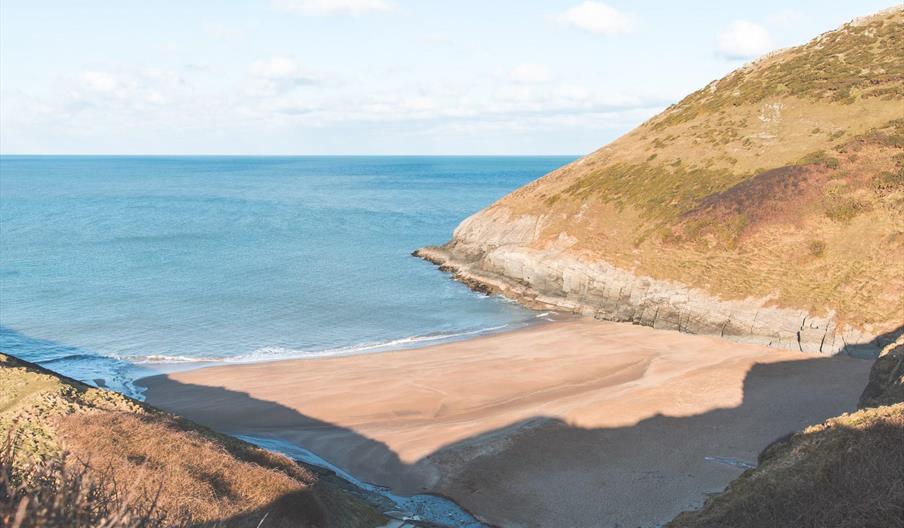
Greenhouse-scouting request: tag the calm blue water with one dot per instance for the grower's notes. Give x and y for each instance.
(111, 266)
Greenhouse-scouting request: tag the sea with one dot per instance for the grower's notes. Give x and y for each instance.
(115, 268)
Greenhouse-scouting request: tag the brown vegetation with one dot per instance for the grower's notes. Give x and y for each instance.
(845, 473)
(58, 493)
(91, 457)
(830, 67)
(886, 381)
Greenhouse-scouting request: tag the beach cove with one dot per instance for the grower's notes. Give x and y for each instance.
(569, 423)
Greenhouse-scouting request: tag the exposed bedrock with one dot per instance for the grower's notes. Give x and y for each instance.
(490, 253)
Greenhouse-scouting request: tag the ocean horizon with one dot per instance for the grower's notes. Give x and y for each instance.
(117, 267)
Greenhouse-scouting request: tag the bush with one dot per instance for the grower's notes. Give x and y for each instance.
(888, 181)
(845, 209)
(819, 157)
(817, 248)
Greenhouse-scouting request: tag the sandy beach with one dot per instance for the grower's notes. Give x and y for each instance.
(572, 423)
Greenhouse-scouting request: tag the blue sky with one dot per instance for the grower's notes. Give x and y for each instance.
(369, 76)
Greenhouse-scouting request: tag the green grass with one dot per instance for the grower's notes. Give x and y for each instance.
(662, 192)
(845, 208)
(830, 68)
(819, 157)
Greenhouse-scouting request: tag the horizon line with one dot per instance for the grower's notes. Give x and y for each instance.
(5, 155)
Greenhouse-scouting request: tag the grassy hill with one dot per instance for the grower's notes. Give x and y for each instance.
(783, 181)
(76, 456)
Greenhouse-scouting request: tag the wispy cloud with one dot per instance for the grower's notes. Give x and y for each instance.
(334, 7)
(528, 73)
(278, 74)
(744, 40)
(597, 18)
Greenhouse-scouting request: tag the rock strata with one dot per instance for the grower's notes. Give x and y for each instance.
(492, 255)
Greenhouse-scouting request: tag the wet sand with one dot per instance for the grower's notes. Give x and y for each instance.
(574, 423)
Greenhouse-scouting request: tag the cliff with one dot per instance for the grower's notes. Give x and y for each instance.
(76, 456)
(767, 207)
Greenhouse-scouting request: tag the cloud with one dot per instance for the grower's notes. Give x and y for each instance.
(279, 97)
(279, 68)
(333, 7)
(744, 40)
(100, 81)
(529, 73)
(277, 75)
(597, 18)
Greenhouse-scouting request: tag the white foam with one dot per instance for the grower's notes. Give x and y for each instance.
(272, 353)
(161, 358)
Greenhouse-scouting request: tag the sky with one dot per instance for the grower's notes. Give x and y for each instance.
(299, 77)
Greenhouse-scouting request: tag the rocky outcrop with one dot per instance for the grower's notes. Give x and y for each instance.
(492, 254)
(886, 379)
(845, 472)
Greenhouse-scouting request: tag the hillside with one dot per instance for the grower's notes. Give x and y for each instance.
(846, 472)
(73, 455)
(767, 207)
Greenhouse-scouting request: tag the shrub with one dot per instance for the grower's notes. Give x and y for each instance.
(888, 181)
(819, 157)
(844, 209)
(817, 248)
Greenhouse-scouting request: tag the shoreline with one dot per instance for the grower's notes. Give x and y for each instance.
(493, 422)
(174, 364)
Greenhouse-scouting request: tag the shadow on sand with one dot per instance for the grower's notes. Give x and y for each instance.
(555, 473)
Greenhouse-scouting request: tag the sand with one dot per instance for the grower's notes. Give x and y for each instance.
(574, 423)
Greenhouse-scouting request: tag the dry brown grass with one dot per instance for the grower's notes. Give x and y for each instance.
(59, 493)
(133, 459)
(845, 473)
(886, 380)
(198, 478)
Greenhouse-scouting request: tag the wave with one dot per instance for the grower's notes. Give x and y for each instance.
(272, 353)
(163, 358)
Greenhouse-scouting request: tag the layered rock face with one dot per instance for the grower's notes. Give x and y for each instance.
(553, 279)
(767, 207)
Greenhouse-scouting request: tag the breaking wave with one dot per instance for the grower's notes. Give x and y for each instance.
(273, 353)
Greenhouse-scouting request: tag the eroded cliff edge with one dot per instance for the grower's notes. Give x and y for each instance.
(553, 279)
(767, 207)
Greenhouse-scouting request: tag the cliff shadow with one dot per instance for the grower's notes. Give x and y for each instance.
(871, 349)
(545, 471)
